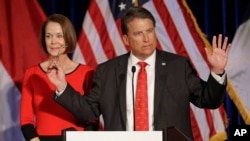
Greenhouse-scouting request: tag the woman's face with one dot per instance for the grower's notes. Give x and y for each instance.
(54, 39)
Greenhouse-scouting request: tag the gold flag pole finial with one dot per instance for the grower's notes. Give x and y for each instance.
(135, 3)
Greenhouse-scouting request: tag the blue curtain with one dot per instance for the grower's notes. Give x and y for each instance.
(213, 17)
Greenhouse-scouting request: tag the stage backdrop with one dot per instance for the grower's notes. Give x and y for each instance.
(183, 27)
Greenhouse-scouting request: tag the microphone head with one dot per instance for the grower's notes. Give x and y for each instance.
(133, 69)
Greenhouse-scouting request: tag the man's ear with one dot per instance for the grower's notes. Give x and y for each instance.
(125, 39)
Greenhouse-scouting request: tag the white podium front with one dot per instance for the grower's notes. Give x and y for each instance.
(114, 136)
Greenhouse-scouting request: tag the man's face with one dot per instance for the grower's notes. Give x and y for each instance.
(141, 37)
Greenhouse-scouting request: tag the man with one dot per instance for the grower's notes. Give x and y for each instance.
(171, 81)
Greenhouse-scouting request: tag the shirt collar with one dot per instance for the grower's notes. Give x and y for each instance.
(150, 60)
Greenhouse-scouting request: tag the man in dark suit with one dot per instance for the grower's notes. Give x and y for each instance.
(172, 82)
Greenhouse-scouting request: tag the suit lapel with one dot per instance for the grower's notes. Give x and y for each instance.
(121, 75)
(160, 77)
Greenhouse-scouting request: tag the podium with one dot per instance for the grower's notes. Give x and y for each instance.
(169, 134)
(113, 136)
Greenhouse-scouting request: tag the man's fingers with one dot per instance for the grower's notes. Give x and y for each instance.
(219, 41)
(214, 42)
(224, 46)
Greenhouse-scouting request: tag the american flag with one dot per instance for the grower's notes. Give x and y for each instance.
(99, 40)
(177, 32)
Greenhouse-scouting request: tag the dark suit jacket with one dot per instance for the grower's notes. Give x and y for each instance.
(176, 85)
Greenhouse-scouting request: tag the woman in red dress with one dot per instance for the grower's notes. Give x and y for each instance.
(41, 118)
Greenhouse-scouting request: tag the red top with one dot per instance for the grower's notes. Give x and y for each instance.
(37, 104)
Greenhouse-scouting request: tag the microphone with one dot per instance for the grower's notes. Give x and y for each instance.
(133, 69)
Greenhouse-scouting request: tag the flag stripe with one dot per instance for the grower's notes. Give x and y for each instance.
(78, 56)
(195, 127)
(163, 37)
(86, 50)
(113, 31)
(102, 30)
(169, 26)
(193, 29)
(92, 36)
(210, 122)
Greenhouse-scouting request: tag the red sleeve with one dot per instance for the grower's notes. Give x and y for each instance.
(26, 108)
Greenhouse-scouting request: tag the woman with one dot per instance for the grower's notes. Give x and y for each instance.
(41, 118)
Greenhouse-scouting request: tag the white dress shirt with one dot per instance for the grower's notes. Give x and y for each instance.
(150, 68)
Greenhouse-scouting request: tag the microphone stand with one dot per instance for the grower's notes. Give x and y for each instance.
(133, 95)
